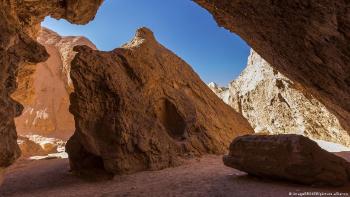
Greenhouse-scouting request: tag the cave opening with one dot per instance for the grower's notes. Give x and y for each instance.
(185, 28)
(37, 111)
(44, 88)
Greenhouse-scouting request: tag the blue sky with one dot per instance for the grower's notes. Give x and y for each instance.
(181, 25)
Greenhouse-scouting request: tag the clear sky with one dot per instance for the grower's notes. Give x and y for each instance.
(180, 25)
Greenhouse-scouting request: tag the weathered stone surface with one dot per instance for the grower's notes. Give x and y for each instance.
(19, 24)
(291, 157)
(307, 41)
(140, 107)
(44, 88)
(274, 104)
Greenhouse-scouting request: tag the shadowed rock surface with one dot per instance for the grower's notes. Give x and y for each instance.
(305, 40)
(140, 107)
(19, 24)
(291, 157)
(274, 104)
(44, 88)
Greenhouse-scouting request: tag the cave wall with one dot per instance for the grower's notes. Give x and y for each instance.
(306, 40)
(19, 25)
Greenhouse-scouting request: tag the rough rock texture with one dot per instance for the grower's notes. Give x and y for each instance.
(35, 145)
(140, 107)
(291, 157)
(307, 41)
(274, 104)
(44, 88)
(19, 24)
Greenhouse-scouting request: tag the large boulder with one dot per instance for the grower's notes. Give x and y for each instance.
(305, 40)
(36, 145)
(274, 104)
(44, 88)
(19, 25)
(29, 148)
(291, 157)
(141, 107)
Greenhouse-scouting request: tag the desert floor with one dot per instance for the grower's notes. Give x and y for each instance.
(203, 177)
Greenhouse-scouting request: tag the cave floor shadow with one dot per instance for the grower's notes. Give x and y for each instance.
(198, 177)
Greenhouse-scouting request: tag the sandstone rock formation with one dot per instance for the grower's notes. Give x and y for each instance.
(19, 24)
(140, 107)
(273, 104)
(44, 88)
(307, 41)
(291, 157)
(35, 145)
(29, 148)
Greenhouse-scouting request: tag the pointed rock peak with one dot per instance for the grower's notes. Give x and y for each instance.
(213, 85)
(145, 33)
(142, 35)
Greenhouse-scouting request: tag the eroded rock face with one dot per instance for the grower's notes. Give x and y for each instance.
(291, 157)
(44, 88)
(274, 104)
(140, 107)
(19, 24)
(307, 41)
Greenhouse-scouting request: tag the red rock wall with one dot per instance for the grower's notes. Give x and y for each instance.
(44, 89)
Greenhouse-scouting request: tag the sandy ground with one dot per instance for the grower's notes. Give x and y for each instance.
(204, 177)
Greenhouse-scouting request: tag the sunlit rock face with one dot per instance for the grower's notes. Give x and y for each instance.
(35, 146)
(44, 89)
(305, 40)
(19, 25)
(140, 107)
(216, 88)
(273, 104)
